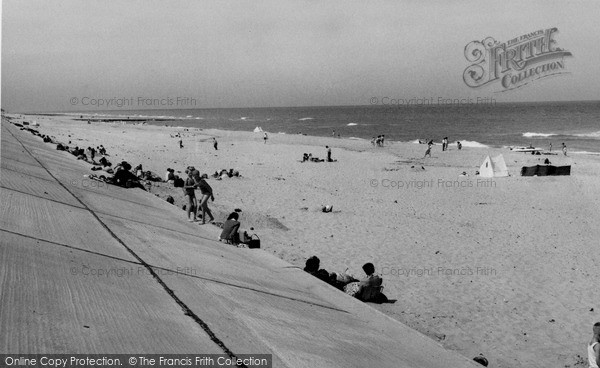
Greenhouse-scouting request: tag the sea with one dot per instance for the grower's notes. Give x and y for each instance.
(576, 124)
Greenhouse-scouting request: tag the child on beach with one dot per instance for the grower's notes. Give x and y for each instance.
(188, 191)
(428, 152)
(564, 149)
(207, 193)
(594, 347)
(266, 137)
(215, 143)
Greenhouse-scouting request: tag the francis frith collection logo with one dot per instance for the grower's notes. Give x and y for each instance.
(516, 62)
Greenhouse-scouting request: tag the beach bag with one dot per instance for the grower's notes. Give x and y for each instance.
(254, 243)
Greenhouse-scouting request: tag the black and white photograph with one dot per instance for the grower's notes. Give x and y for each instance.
(297, 183)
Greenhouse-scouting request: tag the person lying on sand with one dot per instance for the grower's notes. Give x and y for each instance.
(122, 177)
(312, 266)
(337, 280)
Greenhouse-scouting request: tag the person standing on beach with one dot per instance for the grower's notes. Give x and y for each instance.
(428, 152)
(550, 147)
(564, 149)
(215, 143)
(593, 347)
(333, 134)
(188, 191)
(207, 193)
(445, 144)
(328, 154)
(266, 137)
(180, 143)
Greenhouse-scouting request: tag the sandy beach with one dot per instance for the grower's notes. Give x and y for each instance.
(502, 267)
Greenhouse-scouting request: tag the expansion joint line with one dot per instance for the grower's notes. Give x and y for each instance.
(186, 310)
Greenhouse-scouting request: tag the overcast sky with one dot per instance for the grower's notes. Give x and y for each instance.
(277, 53)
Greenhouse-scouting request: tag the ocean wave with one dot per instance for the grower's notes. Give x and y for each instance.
(584, 153)
(588, 135)
(351, 124)
(534, 135)
(473, 144)
(302, 119)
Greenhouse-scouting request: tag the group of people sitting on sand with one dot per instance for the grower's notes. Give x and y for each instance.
(122, 175)
(224, 173)
(378, 142)
(309, 157)
(368, 289)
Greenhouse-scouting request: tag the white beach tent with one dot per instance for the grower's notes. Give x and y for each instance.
(258, 129)
(493, 167)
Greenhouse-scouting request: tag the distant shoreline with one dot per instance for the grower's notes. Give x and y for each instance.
(176, 122)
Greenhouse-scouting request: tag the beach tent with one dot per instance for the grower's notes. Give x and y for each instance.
(493, 167)
(258, 129)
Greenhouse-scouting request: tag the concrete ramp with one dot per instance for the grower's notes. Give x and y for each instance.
(92, 268)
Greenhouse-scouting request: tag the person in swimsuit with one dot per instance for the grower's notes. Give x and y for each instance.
(207, 193)
(188, 191)
(428, 152)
